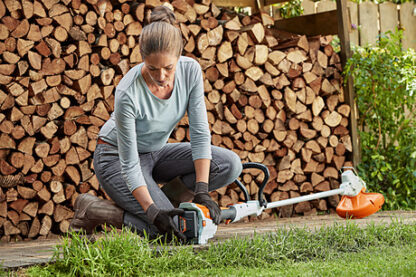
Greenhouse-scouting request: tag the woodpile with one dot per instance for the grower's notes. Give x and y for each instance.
(272, 101)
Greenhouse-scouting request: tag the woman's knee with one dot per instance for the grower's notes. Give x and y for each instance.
(233, 166)
(237, 167)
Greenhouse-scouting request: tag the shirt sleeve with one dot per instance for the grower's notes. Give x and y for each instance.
(125, 119)
(198, 120)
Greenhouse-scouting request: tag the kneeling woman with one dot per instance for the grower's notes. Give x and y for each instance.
(132, 155)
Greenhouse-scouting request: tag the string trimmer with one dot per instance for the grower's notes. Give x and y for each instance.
(198, 227)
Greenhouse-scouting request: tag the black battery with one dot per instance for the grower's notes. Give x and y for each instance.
(188, 225)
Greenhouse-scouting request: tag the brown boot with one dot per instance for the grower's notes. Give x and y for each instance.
(91, 211)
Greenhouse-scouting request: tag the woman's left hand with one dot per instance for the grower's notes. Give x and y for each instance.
(204, 199)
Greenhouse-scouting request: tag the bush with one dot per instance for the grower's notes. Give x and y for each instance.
(291, 9)
(385, 86)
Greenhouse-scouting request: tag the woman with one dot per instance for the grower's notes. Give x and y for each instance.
(132, 155)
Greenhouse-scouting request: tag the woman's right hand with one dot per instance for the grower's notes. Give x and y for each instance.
(163, 220)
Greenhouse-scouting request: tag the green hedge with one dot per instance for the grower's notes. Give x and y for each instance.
(385, 84)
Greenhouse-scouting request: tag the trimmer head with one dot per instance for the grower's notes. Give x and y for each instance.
(361, 205)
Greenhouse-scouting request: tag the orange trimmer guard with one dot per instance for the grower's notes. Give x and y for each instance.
(362, 205)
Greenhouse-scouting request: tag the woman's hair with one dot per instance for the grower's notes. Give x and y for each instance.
(161, 35)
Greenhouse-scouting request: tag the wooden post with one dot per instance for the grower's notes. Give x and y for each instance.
(349, 88)
(308, 7)
(368, 14)
(353, 15)
(408, 23)
(388, 16)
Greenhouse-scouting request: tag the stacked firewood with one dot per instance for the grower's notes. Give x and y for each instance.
(279, 103)
(275, 102)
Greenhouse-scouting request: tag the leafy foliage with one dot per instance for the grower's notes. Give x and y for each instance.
(385, 85)
(291, 9)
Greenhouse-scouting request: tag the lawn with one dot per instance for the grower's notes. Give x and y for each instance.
(382, 250)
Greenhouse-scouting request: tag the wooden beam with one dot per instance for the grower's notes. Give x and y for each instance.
(324, 23)
(271, 2)
(247, 3)
(235, 3)
(343, 33)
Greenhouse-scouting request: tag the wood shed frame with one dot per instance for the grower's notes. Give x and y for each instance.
(334, 22)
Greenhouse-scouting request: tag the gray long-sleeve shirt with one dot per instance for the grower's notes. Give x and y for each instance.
(142, 122)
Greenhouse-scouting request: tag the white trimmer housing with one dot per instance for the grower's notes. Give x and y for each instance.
(206, 227)
(251, 207)
(352, 184)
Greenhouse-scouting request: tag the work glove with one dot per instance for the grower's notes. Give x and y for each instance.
(202, 197)
(163, 220)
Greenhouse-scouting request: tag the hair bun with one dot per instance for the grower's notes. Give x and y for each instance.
(163, 14)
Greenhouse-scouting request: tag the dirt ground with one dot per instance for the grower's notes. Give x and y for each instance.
(311, 222)
(21, 254)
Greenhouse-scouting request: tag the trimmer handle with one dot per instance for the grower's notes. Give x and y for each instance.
(265, 170)
(228, 214)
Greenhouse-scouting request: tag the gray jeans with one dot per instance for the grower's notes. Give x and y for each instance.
(159, 167)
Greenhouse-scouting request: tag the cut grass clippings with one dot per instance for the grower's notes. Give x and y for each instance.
(327, 251)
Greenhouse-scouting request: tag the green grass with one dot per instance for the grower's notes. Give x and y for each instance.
(383, 250)
(374, 261)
